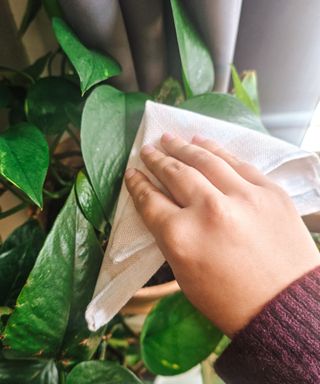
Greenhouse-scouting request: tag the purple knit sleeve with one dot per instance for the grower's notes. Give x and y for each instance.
(281, 345)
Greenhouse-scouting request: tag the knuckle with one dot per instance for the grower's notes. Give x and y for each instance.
(173, 168)
(143, 195)
(200, 158)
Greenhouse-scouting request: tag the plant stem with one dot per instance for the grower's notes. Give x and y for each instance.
(67, 154)
(59, 178)
(13, 210)
(74, 136)
(57, 194)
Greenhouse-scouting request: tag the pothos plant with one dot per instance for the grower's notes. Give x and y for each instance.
(63, 154)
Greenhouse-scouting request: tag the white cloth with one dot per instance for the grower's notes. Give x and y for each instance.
(132, 256)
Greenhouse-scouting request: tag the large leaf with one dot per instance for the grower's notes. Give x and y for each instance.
(89, 202)
(109, 124)
(224, 107)
(24, 159)
(17, 257)
(32, 8)
(241, 90)
(101, 372)
(57, 289)
(92, 67)
(175, 336)
(28, 372)
(46, 103)
(197, 65)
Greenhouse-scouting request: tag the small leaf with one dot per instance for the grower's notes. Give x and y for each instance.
(92, 67)
(175, 336)
(170, 92)
(46, 103)
(57, 291)
(31, 11)
(89, 203)
(241, 93)
(24, 159)
(109, 124)
(250, 84)
(197, 65)
(28, 372)
(17, 257)
(35, 70)
(224, 107)
(101, 372)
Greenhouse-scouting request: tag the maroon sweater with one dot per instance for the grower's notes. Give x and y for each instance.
(282, 344)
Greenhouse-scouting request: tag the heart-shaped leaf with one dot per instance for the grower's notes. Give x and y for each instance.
(109, 124)
(101, 372)
(24, 159)
(91, 66)
(246, 90)
(46, 103)
(57, 291)
(89, 203)
(224, 107)
(17, 257)
(175, 336)
(197, 65)
(29, 372)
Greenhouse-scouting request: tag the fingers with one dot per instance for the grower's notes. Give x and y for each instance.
(213, 167)
(184, 183)
(245, 170)
(153, 206)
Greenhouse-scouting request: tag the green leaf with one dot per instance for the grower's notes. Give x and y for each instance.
(89, 203)
(175, 336)
(28, 372)
(35, 70)
(250, 84)
(224, 107)
(197, 65)
(241, 93)
(52, 8)
(31, 11)
(170, 92)
(5, 96)
(57, 291)
(101, 372)
(24, 159)
(92, 67)
(109, 124)
(17, 257)
(46, 101)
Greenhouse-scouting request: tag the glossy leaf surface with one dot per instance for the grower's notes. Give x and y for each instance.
(241, 90)
(109, 124)
(59, 283)
(197, 65)
(28, 372)
(91, 66)
(24, 159)
(224, 107)
(175, 336)
(89, 202)
(101, 372)
(46, 103)
(17, 257)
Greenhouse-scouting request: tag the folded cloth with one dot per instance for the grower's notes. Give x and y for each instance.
(132, 255)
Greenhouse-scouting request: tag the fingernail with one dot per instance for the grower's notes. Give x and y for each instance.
(130, 172)
(146, 149)
(198, 139)
(168, 137)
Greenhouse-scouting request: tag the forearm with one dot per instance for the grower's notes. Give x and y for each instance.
(282, 343)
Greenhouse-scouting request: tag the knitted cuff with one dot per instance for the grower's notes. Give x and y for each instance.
(282, 343)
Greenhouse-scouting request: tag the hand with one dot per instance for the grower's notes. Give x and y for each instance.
(233, 238)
